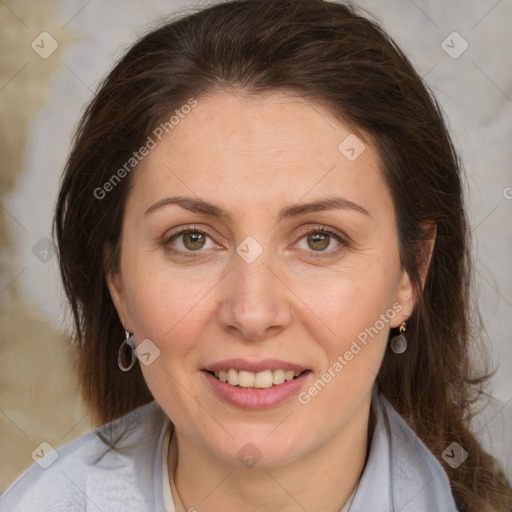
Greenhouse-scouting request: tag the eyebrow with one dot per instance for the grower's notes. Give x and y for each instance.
(294, 210)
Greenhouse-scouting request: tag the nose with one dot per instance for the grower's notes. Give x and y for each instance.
(255, 302)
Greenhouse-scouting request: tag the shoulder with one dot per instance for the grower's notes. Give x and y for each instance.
(400, 472)
(420, 482)
(99, 466)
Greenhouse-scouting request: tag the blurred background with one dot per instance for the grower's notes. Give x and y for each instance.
(53, 53)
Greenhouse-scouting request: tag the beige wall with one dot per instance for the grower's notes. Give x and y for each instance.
(38, 390)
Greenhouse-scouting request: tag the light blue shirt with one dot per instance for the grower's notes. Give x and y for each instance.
(400, 475)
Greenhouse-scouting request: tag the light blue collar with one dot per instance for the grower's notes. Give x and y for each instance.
(401, 474)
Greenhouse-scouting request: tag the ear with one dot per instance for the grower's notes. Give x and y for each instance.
(406, 295)
(115, 286)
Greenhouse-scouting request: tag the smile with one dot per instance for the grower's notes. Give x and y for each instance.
(258, 380)
(256, 385)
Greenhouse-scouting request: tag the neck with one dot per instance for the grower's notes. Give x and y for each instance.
(319, 480)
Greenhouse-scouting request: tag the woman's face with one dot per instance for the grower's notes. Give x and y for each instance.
(247, 290)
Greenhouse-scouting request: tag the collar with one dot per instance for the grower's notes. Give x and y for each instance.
(401, 474)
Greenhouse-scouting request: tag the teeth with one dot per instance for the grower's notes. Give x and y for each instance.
(245, 379)
(260, 380)
(278, 376)
(233, 377)
(263, 379)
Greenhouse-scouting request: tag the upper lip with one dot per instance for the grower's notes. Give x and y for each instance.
(254, 366)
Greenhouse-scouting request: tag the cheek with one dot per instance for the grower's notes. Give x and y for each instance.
(356, 308)
(165, 302)
(353, 299)
(167, 309)
(356, 316)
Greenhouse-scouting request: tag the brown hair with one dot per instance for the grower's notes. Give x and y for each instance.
(328, 53)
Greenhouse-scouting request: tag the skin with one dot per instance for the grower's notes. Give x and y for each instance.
(252, 156)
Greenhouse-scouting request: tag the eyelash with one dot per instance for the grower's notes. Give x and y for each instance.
(323, 230)
(344, 243)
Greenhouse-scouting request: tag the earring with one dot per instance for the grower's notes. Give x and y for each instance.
(130, 343)
(398, 343)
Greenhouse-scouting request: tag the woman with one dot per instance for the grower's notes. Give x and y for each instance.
(263, 240)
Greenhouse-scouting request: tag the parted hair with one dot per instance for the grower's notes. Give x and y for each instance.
(336, 55)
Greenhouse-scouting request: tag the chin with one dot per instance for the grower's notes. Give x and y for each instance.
(255, 447)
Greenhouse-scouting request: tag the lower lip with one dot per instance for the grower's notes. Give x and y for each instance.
(252, 398)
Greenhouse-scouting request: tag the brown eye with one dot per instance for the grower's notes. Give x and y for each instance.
(189, 241)
(194, 240)
(318, 241)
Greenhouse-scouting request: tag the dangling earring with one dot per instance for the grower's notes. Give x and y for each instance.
(398, 343)
(130, 343)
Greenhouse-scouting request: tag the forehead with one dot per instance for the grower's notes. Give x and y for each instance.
(239, 148)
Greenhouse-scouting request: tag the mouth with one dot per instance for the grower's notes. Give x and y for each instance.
(256, 380)
(256, 385)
